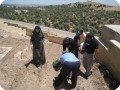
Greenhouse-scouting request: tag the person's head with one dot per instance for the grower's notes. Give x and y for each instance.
(67, 41)
(77, 39)
(37, 29)
(89, 36)
(80, 32)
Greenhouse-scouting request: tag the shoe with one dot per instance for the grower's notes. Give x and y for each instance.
(86, 76)
(90, 73)
(55, 84)
(72, 86)
(39, 67)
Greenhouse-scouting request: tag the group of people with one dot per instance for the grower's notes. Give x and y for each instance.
(70, 55)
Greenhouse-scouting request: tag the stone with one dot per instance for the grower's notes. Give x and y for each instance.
(5, 36)
(18, 55)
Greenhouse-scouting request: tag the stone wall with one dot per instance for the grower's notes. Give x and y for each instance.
(53, 37)
(109, 51)
(102, 53)
(110, 32)
(114, 59)
(29, 32)
(110, 57)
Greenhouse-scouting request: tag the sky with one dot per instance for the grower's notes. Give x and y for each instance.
(56, 2)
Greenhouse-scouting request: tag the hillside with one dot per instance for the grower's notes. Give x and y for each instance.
(88, 16)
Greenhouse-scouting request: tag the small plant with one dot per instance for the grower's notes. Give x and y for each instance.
(57, 64)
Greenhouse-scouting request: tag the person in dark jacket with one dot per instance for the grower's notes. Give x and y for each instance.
(89, 47)
(37, 38)
(72, 44)
(77, 43)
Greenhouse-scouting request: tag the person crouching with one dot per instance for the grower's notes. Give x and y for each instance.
(70, 64)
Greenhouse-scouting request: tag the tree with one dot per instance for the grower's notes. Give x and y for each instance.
(111, 21)
(66, 26)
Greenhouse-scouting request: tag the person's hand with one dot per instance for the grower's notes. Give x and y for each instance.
(31, 46)
(64, 51)
(82, 51)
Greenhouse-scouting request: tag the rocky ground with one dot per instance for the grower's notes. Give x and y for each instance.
(17, 72)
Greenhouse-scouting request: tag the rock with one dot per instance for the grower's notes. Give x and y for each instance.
(5, 36)
(18, 55)
(84, 88)
(21, 54)
(46, 41)
(24, 52)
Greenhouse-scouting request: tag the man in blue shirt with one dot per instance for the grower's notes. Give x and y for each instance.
(70, 63)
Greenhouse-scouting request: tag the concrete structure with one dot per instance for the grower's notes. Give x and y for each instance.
(110, 32)
(109, 51)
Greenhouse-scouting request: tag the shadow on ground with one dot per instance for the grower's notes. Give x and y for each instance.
(113, 84)
(31, 62)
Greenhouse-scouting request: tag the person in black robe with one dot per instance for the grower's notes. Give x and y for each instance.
(37, 39)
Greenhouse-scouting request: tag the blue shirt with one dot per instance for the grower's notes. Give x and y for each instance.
(69, 57)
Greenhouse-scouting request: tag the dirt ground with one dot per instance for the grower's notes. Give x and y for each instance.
(22, 74)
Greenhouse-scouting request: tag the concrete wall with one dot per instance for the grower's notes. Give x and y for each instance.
(110, 57)
(54, 38)
(109, 51)
(108, 34)
(29, 32)
(11, 24)
(114, 59)
(102, 53)
(50, 37)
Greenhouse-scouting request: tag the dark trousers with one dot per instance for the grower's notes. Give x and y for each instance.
(38, 54)
(67, 68)
(75, 50)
